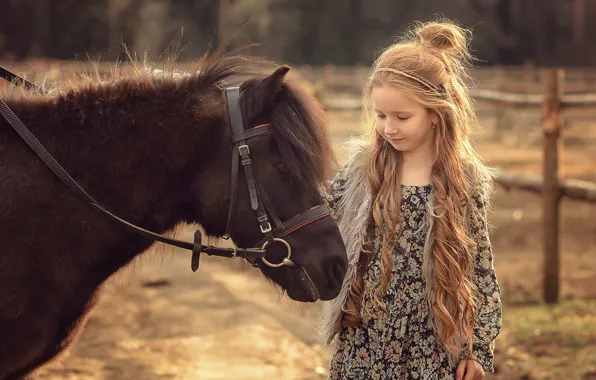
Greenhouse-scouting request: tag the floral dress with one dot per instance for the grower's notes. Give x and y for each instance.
(400, 344)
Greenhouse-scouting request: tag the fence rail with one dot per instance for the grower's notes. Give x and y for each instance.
(532, 100)
(570, 188)
(516, 100)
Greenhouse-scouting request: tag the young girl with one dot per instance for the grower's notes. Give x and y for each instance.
(421, 299)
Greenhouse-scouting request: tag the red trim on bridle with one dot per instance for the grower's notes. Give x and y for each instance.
(263, 133)
(302, 213)
(262, 125)
(307, 222)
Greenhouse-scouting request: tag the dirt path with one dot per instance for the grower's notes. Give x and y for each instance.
(162, 321)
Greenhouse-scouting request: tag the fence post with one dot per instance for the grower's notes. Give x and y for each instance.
(551, 129)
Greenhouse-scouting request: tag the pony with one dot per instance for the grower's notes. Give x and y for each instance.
(155, 148)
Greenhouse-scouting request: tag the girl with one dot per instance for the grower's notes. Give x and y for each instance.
(421, 299)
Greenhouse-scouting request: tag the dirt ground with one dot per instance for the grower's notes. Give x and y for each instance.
(159, 320)
(165, 322)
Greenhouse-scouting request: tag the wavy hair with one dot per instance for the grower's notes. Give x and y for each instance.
(431, 63)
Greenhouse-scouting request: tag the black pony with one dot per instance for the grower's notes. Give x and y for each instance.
(156, 150)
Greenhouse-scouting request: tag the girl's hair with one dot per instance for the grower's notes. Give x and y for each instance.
(431, 64)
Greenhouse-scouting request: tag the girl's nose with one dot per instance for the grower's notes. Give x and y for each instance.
(390, 129)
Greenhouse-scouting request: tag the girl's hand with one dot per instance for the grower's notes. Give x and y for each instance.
(471, 369)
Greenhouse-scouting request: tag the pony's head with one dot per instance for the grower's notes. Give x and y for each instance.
(289, 162)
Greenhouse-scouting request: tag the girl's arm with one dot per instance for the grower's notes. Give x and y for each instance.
(489, 312)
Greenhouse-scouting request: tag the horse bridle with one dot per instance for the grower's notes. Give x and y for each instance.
(240, 154)
(259, 200)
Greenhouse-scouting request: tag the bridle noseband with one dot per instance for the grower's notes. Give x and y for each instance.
(241, 154)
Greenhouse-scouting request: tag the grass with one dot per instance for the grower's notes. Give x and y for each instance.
(548, 342)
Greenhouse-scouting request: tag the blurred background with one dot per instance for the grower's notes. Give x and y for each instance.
(158, 320)
(314, 32)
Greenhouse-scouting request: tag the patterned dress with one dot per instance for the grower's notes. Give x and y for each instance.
(400, 344)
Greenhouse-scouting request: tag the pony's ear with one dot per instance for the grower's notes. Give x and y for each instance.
(263, 93)
(269, 87)
(277, 77)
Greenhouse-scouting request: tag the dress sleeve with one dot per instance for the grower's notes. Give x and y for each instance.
(332, 192)
(489, 312)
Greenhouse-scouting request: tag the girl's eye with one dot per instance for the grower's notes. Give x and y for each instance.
(403, 118)
(380, 116)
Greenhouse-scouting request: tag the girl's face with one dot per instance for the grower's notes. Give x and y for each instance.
(400, 120)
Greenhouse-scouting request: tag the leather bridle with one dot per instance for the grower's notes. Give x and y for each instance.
(259, 200)
(240, 155)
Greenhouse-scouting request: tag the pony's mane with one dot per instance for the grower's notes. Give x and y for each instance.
(211, 69)
(300, 126)
(299, 121)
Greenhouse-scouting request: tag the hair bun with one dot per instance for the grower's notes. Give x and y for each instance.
(444, 37)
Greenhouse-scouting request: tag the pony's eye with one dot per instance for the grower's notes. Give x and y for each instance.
(285, 172)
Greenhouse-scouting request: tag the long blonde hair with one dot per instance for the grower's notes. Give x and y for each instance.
(431, 63)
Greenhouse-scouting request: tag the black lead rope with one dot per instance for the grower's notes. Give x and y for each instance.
(10, 76)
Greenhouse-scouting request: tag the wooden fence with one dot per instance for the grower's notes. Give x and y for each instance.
(551, 186)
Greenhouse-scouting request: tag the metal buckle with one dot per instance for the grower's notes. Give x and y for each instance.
(244, 149)
(266, 229)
